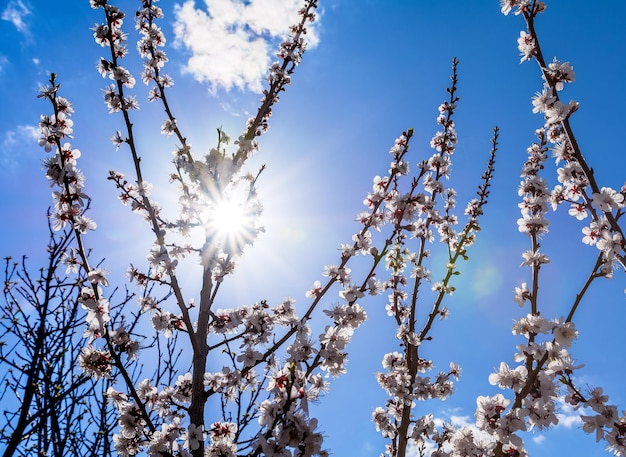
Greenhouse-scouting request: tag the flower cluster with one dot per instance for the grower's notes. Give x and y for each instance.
(522, 6)
(70, 205)
(111, 35)
(544, 361)
(534, 191)
(284, 419)
(133, 422)
(96, 362)
(577, 186)
(416, 215)
(70, 200)
(150, 48)
(603, 419)
(290, 54)
(221, 200)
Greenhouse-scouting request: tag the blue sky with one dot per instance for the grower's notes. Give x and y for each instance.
(379, 67)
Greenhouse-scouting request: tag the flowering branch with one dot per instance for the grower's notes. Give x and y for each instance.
(604, 231)
(414, 214)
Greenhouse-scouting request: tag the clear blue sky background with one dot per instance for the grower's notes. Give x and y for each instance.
(380, 68)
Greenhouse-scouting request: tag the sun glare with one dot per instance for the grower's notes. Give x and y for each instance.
(231, 222)
(229, 218)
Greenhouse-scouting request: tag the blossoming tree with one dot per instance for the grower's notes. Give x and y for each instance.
(180, 375)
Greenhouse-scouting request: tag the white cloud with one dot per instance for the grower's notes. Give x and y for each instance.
(15, 12)
(22, 132)
(538, 439)
(28, 132)
(461, 421)
(9, 139)
(24, 137)
(567, 416)
(231, 42)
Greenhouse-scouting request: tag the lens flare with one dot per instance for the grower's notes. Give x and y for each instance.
(231, 220)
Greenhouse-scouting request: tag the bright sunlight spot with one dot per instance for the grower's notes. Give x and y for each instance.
(232, 220)
(229, 218)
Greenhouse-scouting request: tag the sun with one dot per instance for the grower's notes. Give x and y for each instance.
(229, 218)
(231, 221)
